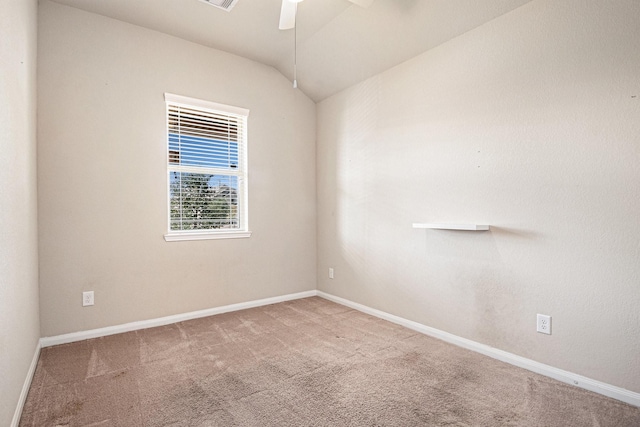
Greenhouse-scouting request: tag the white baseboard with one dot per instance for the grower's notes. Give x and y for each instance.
(133, 326)
(25, 387)
(599, 387)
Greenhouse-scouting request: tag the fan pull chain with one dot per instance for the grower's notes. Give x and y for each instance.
(295, 50)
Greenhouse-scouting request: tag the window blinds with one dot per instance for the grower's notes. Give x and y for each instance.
(206, 163)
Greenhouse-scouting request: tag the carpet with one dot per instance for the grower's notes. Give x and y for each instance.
(308, 362)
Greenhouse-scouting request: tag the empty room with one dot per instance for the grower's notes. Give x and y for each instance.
(320, 213)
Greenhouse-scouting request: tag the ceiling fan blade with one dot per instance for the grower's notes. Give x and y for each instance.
(287, 15)
(362, 3)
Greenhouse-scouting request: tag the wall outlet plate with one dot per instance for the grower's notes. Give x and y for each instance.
(330, 272)
(543, 324)
(87, 298)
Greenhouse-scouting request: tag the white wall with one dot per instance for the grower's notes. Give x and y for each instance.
(530, 123)
(19, 324)
(102, 176)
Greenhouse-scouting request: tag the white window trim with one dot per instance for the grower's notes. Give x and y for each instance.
(201, 103)
(178, 236)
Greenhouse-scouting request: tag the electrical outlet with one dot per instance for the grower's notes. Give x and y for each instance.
(87, 298)
(544, 324)
(330, 272)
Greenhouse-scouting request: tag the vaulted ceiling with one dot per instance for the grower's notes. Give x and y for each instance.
(338, 43)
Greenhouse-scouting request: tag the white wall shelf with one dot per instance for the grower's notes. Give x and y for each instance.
(466, 227)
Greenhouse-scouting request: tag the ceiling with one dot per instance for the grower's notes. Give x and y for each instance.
(339, 44)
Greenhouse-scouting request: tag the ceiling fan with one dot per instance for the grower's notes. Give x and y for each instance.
(288, 11)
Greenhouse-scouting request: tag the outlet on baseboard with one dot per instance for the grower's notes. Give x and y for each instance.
(87, 298)
(543, 324)
(330, 272)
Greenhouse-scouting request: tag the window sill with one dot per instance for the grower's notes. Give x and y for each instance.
(178, 237)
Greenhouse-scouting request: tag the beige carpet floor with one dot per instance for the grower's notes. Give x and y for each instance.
(307, 362)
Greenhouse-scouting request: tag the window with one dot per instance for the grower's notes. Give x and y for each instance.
(206, 167)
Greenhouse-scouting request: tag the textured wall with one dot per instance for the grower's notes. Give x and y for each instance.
(102, 176)
(19, 324)
(530, 123)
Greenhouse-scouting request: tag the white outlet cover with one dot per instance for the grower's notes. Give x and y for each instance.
(543, 324)
(87, 298)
